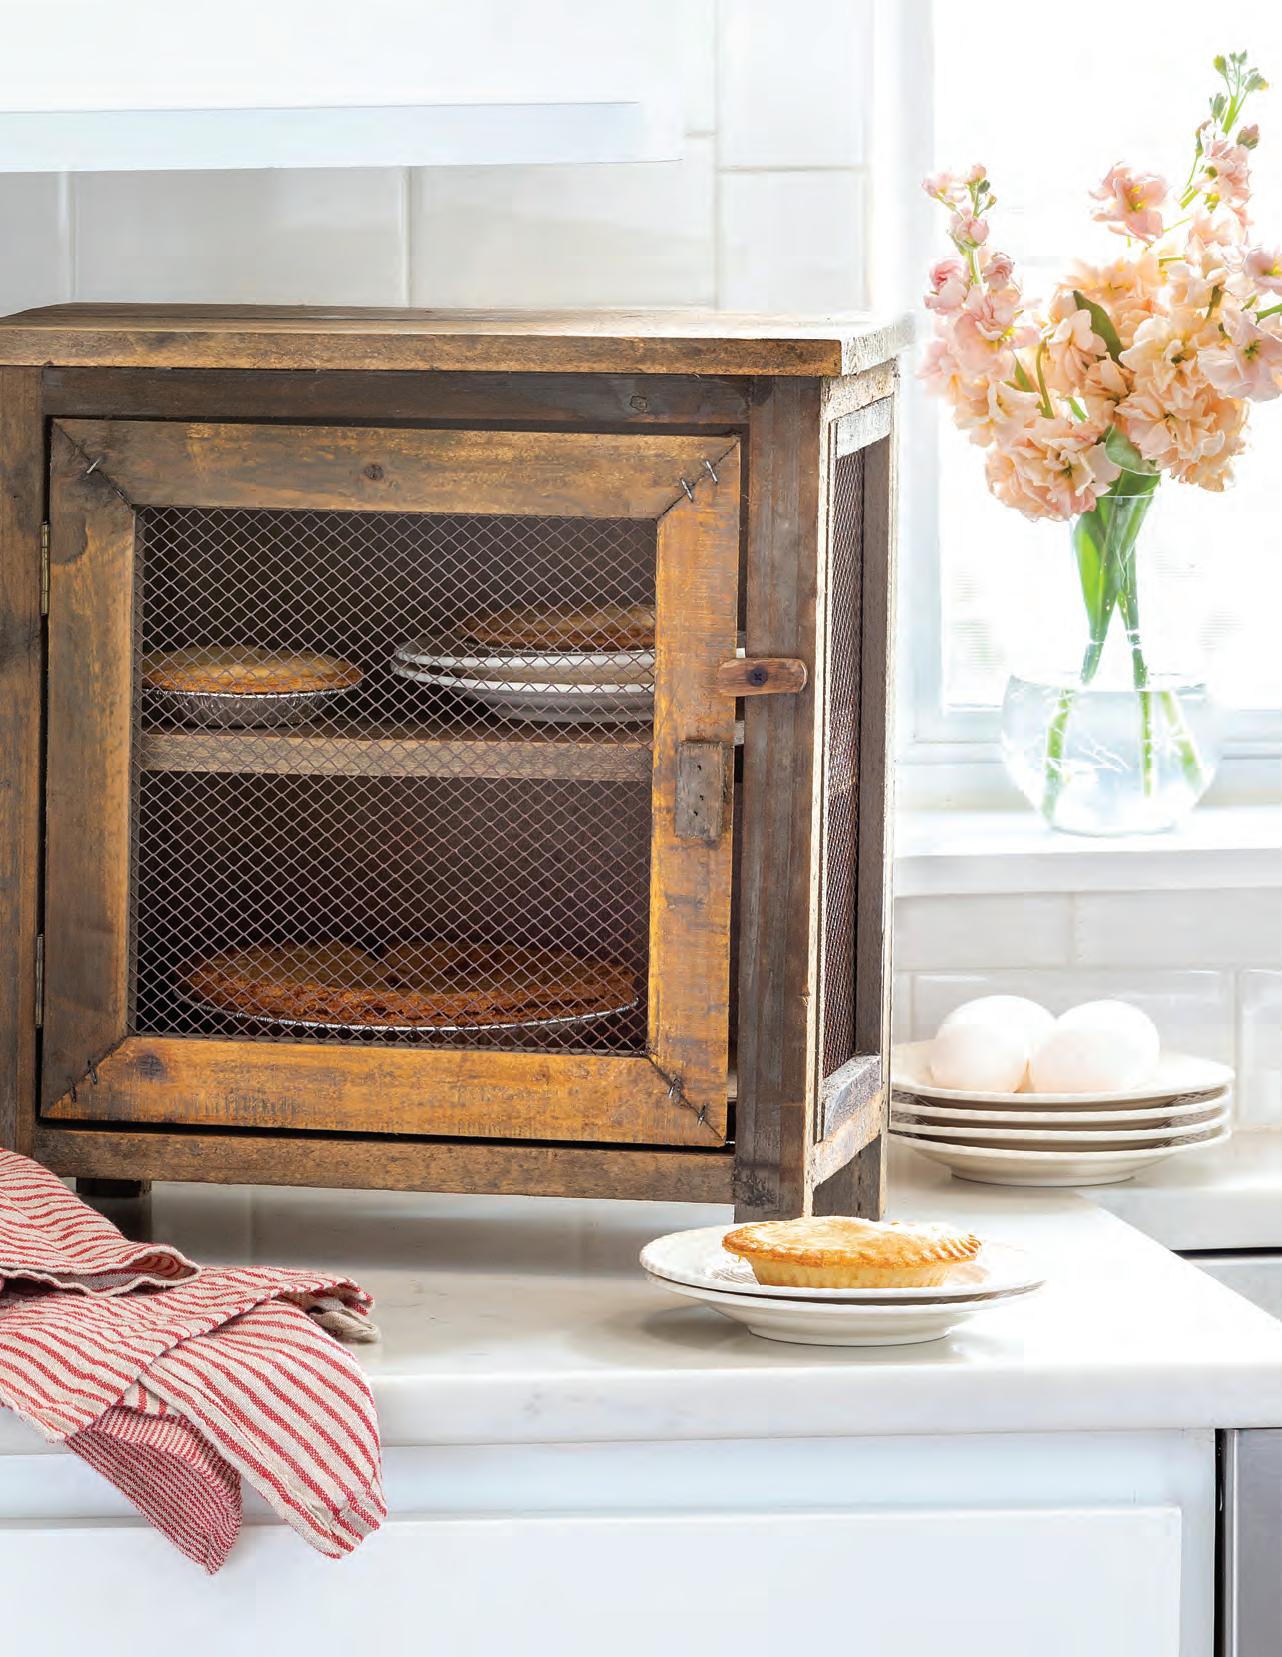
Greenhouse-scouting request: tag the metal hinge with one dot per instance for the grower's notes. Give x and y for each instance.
(44, 569)
(40, 979)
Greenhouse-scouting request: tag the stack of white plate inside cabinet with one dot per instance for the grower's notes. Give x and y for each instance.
(1059, 1138)
(694, 1265)
(551, 687)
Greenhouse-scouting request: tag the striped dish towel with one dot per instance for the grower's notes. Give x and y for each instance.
(176, 1381)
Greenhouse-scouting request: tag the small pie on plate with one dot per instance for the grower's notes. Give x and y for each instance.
(599, 627)
(840, 1252)
(238, 670)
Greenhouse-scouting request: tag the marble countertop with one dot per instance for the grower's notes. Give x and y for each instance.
(526, 1320)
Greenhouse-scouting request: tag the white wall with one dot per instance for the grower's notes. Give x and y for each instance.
(765, 211)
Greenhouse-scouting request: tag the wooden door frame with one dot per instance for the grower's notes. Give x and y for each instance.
(101, 471)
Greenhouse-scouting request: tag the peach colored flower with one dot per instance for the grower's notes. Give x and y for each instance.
(993, 310)
(1104, 384)
(1174, 416)
(1053, 468)
(998, 269)
(1247, 362)
(1129, 289)
(1072, 347)
(949, 282)
(1130, 202)
(994, 413)
(1226, 168)
(1263, 266)
(980, 356)
(944, 187)
(940, 371)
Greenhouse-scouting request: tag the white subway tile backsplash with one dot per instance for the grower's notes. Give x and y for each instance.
(1233, 928)
(324, 237)
(1192, 1009)
(794, 82)
(936, 933)
(633, 234)
(792, 241)
(901, 1007)
(697, 58)
(1259, 1091)
(33, 264)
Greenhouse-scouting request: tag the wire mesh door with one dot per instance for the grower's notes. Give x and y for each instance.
(401, 796)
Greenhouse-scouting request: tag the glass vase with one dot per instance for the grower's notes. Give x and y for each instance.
(1118, 740)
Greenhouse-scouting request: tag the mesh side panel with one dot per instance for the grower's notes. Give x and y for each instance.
(448, 843)
(841, 764)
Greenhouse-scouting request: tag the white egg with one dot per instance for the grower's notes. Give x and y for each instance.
(1099, 1047)
(1012, 1012)
(983, 1058)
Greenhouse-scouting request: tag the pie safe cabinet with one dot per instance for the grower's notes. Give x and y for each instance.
(447, 751)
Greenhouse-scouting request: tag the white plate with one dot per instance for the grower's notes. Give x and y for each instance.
(1194, 1110)
(989, 1167)
(1052, 1139)
(697, 1260)
(1177, 1075)
(814, 1323)
(507, 663)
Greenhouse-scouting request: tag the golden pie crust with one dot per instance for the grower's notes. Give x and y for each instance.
(234, 670)
(420, 985)
(842, 1252)
(600, 627)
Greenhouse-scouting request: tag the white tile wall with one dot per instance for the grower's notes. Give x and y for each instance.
(766, 209)
(1259, 1039)
(1222, 928)
(995, 931)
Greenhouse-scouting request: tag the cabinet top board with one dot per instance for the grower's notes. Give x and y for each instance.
(509, 342)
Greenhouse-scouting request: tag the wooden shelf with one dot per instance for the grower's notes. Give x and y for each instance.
(437, 750)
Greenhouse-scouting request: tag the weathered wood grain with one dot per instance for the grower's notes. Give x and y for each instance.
(576, 342)
(777, 927)
(90, 732)
(393, 469)
(448, 751)
(761, 676)
(697, 582)
(342, 397)
(21, 511)
(386, 1089)
(387, 1164)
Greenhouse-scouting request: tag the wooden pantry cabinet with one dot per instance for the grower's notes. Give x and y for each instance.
(447, 750)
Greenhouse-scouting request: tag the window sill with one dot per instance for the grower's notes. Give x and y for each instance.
(958, 851)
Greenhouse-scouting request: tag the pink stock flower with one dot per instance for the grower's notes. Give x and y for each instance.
(949, 281)
(998, 269)
(993, 310)
(1130, 202)
(977, 174)
(1264, 267)
(1053, 468)
(994, 413)
(944, 187)
(968, 229)
(1226, 168)
(1129, 290)
(1247, 363)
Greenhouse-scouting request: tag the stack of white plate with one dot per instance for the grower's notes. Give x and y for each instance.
(693, 1264)
(1059, 1138)
(554, 687)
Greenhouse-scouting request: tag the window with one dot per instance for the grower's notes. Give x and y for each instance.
(1048, 104)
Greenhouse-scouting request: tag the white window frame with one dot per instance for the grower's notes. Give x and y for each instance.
(952, 756)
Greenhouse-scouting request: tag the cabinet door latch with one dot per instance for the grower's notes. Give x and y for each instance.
(761, 676)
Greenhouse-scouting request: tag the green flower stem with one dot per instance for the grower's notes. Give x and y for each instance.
(1191, 762)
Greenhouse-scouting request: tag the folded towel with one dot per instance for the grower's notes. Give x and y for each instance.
(175, 1381)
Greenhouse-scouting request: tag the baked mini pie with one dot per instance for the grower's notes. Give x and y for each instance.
(239, 670)
(841, 1252)
(415, 986)
(535, 627)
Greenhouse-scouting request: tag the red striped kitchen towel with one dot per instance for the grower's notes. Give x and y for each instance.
(175, 1381)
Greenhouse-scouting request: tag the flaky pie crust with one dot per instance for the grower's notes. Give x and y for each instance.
(841, 1251)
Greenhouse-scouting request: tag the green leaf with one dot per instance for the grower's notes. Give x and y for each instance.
(1090, 544)
(1101, 323)
(1021, 377)
(1138, 477)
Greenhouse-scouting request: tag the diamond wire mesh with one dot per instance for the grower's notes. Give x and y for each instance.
(841, 761)
(447, 865)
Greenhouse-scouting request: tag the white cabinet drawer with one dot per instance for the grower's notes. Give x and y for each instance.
(969, 1582)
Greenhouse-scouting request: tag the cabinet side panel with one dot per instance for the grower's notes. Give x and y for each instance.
(774, 1121)
(21, 511)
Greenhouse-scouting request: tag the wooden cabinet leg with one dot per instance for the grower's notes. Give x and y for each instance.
(859, 1187)
(125, 1202)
